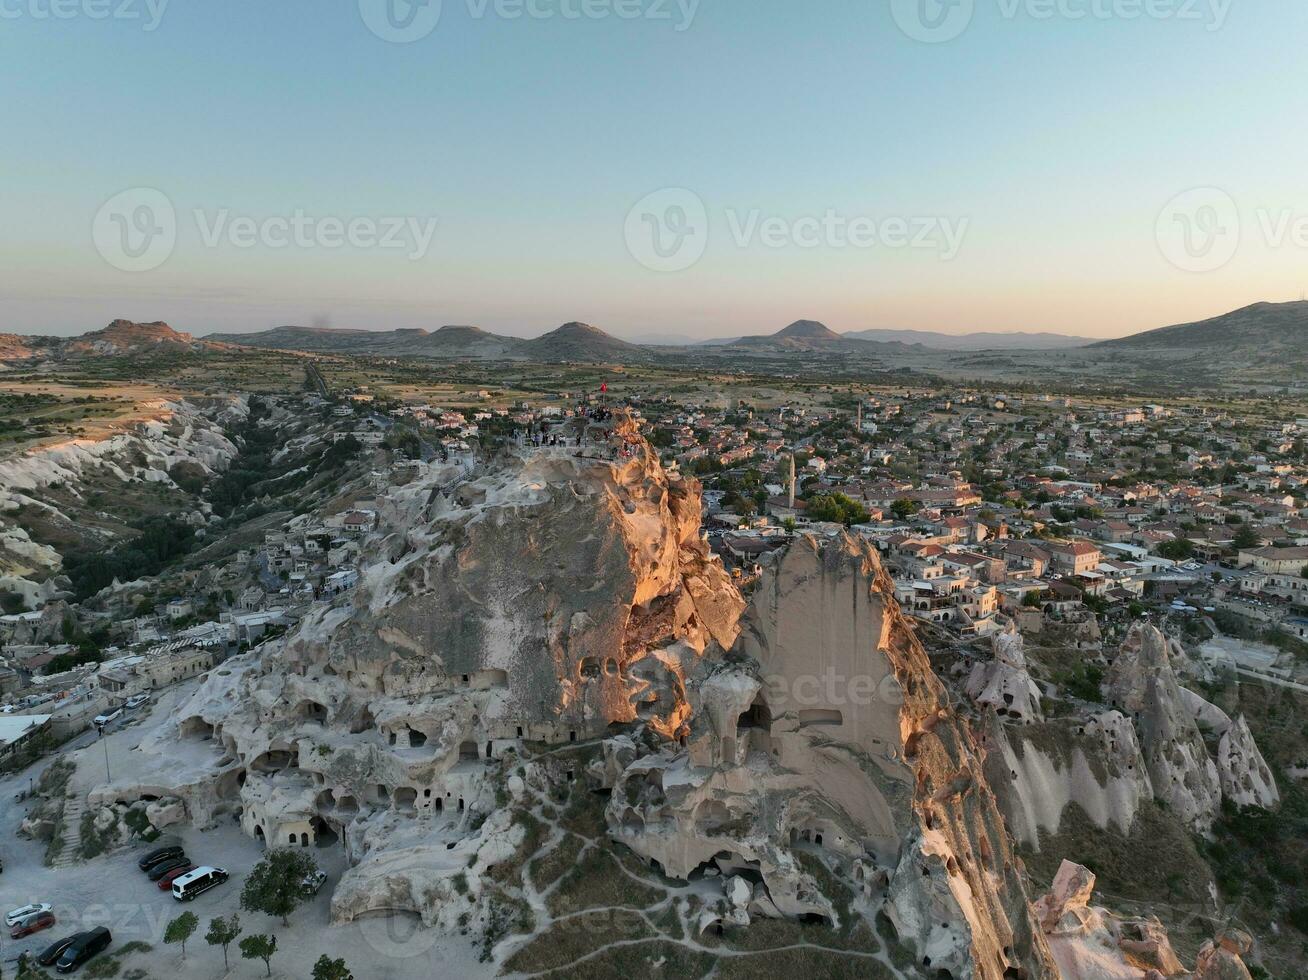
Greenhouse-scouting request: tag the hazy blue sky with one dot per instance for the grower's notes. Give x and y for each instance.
(1031, 159)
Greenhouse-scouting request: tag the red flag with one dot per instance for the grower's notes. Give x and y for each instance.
(604, 386)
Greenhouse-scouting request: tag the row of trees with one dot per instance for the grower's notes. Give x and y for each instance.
(223, 931)
(276, 886)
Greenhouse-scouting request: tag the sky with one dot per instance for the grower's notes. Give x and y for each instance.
(665, 168)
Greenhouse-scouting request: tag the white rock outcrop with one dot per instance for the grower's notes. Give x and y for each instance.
(1142, 685)
(1004, 683)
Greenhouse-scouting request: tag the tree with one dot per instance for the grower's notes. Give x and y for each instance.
(181, 929)
(328, 969)
(1180, 549)
(1245, 538)
(838, 508)
(276, 885)
(222, 932)
(259, 947)
(905, 508)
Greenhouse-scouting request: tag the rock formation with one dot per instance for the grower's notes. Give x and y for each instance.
(543, 596)
(823, 731)
(1091, 943)
(1142, 685)
(1004, 683)
(1151, 745)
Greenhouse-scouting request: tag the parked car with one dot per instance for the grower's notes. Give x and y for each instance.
(312, 884)
(55, 950)
(111, 715)
(166, 882)
(85, 946)
(19, 914)
(136, 701)
(161, 868)
(32, 924)
(197, 882)
(158, 854)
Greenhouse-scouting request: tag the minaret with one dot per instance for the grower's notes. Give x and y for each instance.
(792, 481)
(859, 424)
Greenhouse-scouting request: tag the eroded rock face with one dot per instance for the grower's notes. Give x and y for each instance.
(1246, 778)
(1152, 746)
(1038, 770)
(823, 734)
(1003, 684)
(1143, 687)
(542, 595)
(1091, 944)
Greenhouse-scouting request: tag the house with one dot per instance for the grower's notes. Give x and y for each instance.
(1275, 561)
(17, 731)
(1075, 557)
(358, 521)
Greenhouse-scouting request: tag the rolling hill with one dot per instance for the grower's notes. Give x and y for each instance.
(1261, 331)
(579, 342)
(452, 341)
(983, 340)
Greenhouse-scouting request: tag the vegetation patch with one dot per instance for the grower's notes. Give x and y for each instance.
(550, 867)
(570, 939)
(598, 881)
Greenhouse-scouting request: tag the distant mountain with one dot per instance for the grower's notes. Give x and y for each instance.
(579, 342)
(305, 338)
(972, 341)
(453, 341)
(809, 336)
(802, 335)
(1263, 331)
(463, 341)
(126, 337)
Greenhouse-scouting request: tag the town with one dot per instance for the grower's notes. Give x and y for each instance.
(984, 506)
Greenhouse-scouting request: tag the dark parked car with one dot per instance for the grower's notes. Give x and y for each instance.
(161, 868)
(32, 924)
(166, 882)
(85, 946)
(158, 855)
(56, 950)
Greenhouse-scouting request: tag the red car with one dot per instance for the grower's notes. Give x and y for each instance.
(166, 882)
(32, 924)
